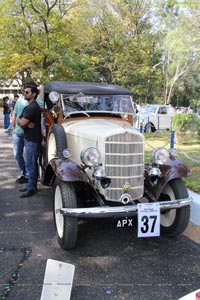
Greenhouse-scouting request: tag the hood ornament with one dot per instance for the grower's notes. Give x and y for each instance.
(126, 187)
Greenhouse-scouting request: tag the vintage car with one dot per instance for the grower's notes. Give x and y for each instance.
(154, 117)
(94, 160)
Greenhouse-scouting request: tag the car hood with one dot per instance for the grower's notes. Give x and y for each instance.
(81, 134)
(94, 129)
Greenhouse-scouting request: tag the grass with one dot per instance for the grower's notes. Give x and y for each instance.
(188, 152)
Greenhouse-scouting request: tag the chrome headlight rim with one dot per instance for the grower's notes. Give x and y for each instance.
(90, 156)
(54, 96)
(160, 155)
(67, 153)
(98, 173)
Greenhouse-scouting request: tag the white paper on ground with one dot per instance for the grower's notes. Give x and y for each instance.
(58, 280)
(190, 296)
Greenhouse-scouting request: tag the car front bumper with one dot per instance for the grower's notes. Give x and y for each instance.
(119, 211)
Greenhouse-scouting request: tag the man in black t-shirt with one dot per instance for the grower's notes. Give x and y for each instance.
(30, 121)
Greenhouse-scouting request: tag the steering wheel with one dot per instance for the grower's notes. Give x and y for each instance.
(90, 106)
(76, 112)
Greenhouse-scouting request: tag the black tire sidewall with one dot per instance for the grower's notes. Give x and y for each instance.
(60, 137)
(182, 214)
(70, 228)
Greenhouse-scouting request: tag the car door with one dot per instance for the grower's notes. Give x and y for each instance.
(164, 118)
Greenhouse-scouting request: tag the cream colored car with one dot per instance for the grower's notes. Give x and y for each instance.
(94, 160)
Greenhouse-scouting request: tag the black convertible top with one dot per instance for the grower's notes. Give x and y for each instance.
(87, 88)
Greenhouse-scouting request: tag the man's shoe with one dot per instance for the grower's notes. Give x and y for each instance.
(23, 190)
(22, 179)
(29, 193)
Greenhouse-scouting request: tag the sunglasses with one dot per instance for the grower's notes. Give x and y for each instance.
(26, 92)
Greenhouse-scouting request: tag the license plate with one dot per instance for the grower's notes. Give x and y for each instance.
(126, 222)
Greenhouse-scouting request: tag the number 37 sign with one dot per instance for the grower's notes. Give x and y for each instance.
(148, 219)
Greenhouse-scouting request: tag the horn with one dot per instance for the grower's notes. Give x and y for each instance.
(55, 110)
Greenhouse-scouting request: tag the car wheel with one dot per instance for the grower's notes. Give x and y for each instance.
(173, 222)
(40, 169)
(56, 141)
(149, 127)
(67, 227)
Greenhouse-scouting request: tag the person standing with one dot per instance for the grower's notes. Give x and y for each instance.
(12, 106)
(30, 121)
(189, 110)
(18, 139)
(6, 112)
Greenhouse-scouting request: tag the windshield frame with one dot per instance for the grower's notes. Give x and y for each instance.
(150, 109)
(100, 101)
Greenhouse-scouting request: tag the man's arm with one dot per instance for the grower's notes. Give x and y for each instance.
(25, 123)
(13, 121)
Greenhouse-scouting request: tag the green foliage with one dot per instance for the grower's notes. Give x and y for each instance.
(198, 130)
(136, 44)
(180, 123)
(186, 152)
(183, 123)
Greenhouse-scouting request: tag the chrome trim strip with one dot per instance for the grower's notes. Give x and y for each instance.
(125, 166)
(121, 177)
(119, 211)
(132, 188)
(123, 143)
(124, 154)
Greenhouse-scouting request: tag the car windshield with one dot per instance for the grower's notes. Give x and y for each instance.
(149, 109)
(97, 103)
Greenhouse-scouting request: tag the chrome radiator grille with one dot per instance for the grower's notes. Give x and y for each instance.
(124, 164)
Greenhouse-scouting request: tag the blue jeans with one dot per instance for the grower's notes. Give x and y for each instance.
(18, 149)
(6, 121)
(31, 159)
(9, 128)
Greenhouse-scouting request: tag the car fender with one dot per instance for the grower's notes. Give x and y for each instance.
(173, 168)
(65, 170)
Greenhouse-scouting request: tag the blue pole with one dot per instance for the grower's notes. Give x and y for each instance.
(148, 124)
(172, 139)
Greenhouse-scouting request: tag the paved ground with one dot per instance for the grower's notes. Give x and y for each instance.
(110, 264)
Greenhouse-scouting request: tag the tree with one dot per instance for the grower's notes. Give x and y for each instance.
(38, 34)
(118, 41)
(142, 45)
(178, 45)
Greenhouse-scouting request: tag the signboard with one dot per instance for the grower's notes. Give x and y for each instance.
(148, 219)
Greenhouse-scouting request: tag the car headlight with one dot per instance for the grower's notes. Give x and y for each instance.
(90, 156)
(53, 96)
(160, 156)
